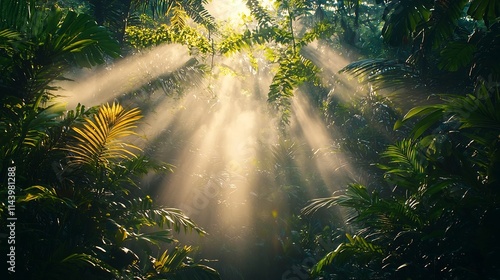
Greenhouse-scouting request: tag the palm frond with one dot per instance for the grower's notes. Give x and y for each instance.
(7, 39)
(407, 163)
(15, 13)
(47, 39)
(127, 171)
(443, 21)
(149, 214)
(357, 248)
(99, 139)
(356, 196)
(177, 266)
(487, 10)
(178, 17)
(402, 19)
(81, 261)
(48, 196)
(383, 73)
(24, 128)
(472, 111)
(195, 10)
(37, 123)
(476, 111)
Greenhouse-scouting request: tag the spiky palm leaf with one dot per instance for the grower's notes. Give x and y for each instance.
(100, 138)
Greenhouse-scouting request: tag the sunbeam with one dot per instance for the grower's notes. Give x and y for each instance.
(94, 87)
(333, 167)
(234, 169)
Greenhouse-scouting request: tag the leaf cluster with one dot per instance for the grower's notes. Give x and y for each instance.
(442, 199)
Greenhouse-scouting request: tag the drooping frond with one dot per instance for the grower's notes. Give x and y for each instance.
(357, 248)
(195, 10)
(99, 139)
(293, 71)
(356, 196)
(472, 111)
(487, 10)
(178, 17)
(443, 21)
(144, 211)
(382, 73)
(62, 268)
(402, 19)
(262, 16)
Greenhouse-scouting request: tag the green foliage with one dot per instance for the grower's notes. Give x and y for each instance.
(293, 71)
(382, 73)
(177, 265)
(293, 68)
(456, 55)
(98, 141)
(119, 15)
(436, 30)
(356, 248)
(437, 180)
(488, 10)
(41, 43)
(144, 37)
(95, 211)
(402, 19)
(72, 219)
